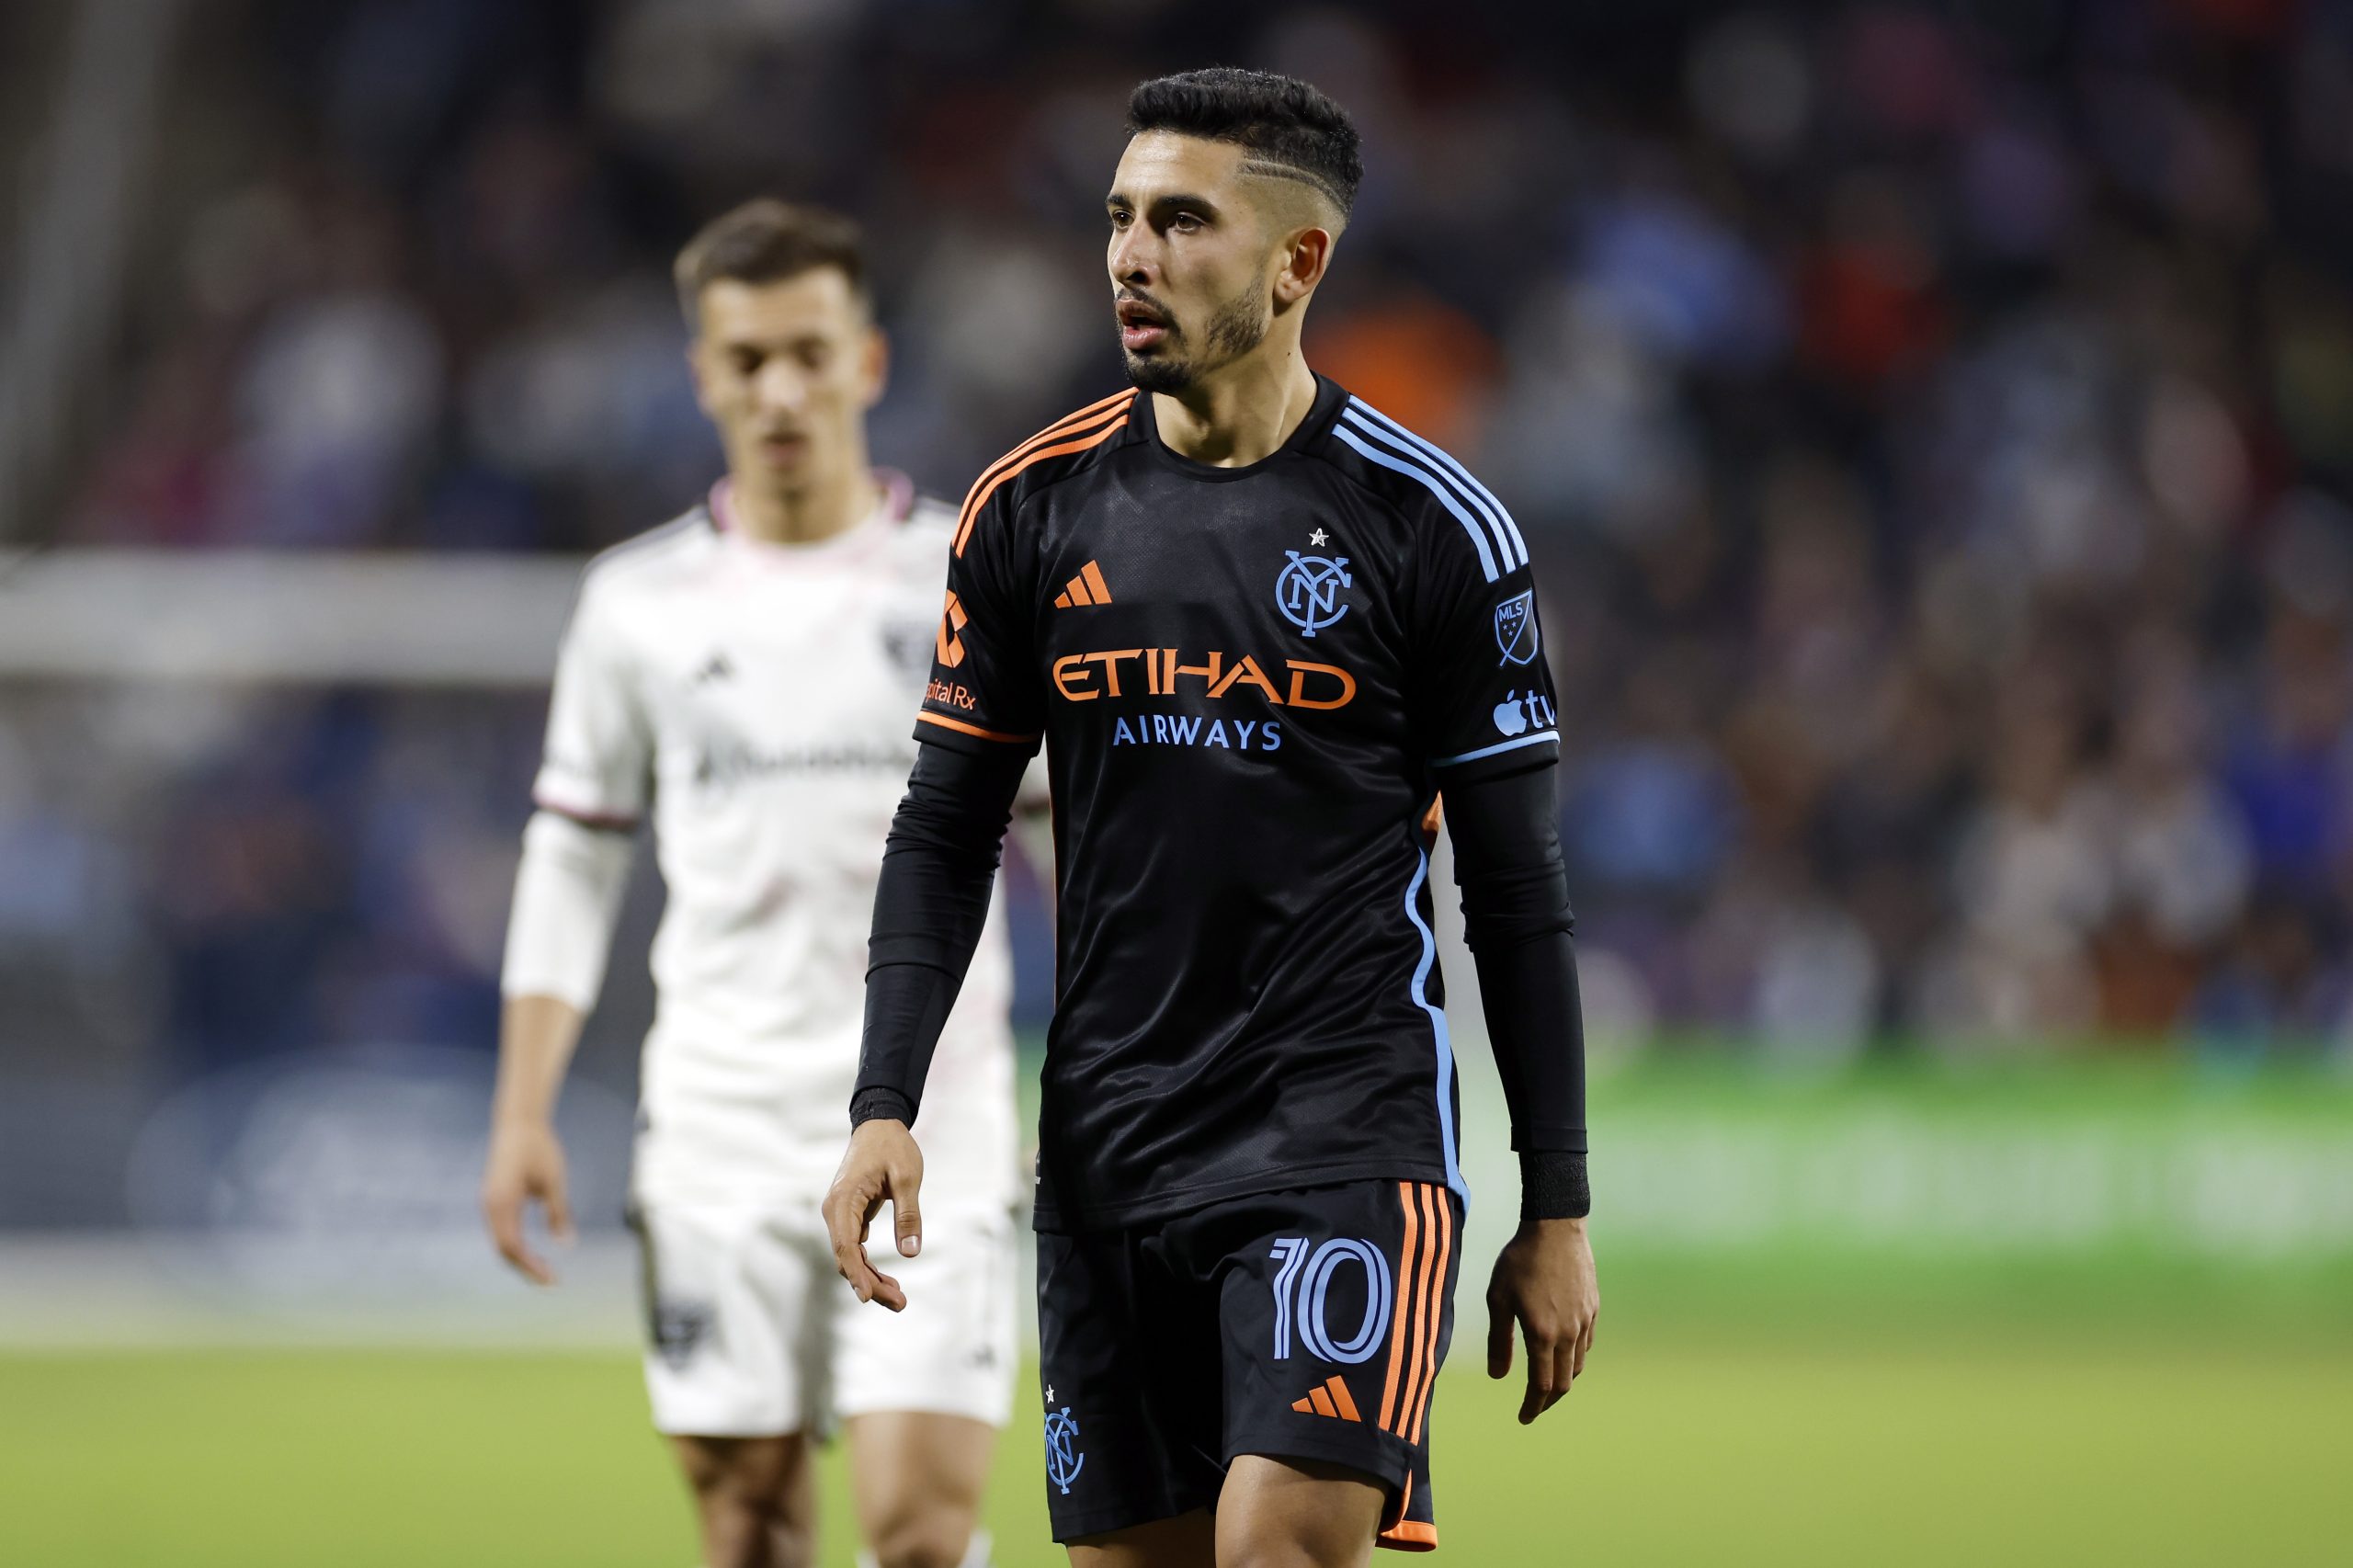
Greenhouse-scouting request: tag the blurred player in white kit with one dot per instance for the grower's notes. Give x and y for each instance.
(748, 673)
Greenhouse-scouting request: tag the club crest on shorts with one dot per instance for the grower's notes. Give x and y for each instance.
(1516, 631)
(680, 1329)
(1064, 1462)
(1308, 591)
(908, 645)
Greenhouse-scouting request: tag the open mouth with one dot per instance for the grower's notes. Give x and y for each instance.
(1141, 325)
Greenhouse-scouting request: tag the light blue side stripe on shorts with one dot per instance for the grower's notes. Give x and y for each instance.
(1438, 1027)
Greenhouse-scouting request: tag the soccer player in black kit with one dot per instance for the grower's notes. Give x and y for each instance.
(1260, 628)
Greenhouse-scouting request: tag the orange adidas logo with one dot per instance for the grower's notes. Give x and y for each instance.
(1087, 588)
(1332, 1399)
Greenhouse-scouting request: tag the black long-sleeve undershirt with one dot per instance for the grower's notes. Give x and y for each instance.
(938, 869)
(1519, 926)
(940, 863)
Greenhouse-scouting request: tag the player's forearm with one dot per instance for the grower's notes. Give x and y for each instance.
(931, 903)
(568, 891)
(567, 899)
(536, 1038)
(1535, 1025)
(1518, 926)
(1536, 1021)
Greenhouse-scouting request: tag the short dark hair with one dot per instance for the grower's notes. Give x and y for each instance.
(768, 241)
(1289, 127)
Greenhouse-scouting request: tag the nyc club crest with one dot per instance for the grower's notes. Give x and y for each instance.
(1516, 631)
(1308, 591)
(1064, 1462)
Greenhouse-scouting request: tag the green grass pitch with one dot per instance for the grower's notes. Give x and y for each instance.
(1700, 1450)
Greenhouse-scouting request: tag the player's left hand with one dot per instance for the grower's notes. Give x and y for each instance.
(882, 1162)
(1543, 1281)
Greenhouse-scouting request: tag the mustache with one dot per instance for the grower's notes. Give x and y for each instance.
(1151, 311)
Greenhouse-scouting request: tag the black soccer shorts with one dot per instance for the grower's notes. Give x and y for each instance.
(1305, 1325)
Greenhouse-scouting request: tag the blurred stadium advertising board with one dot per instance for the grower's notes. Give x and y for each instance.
(331, 1197)
(330, 1194)
(327, 1197)
(280, 617)
(2014, 1167)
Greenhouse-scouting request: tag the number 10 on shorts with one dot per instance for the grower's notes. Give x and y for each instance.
(1302, 1285)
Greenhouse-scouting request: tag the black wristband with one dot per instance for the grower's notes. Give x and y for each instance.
(879, 1104)
(1552, 1185)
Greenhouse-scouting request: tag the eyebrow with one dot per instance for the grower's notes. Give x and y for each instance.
(766, 343)
(1175, 198)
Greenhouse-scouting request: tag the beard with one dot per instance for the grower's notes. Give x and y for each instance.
(1234, 328)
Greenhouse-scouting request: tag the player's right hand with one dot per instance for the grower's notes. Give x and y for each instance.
(526, 1162)
(882, 1162)
(1544, 1283)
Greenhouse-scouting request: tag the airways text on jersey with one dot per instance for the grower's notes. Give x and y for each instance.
(1095, 677)
(1251, 683)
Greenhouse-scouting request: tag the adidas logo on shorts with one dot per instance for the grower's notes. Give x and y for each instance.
(1331, 1398)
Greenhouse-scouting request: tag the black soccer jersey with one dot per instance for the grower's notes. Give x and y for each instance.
(1252, 684)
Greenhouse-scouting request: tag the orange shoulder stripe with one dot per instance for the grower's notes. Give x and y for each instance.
(1063, 425)
(1114, 406)
(1087, 427)
(960, 727)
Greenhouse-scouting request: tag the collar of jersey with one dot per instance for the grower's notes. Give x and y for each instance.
(898, 496)
(1329, 396)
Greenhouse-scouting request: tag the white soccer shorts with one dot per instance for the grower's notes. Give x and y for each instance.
(751, 1333)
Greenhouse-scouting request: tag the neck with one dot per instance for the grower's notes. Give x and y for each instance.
(802, 514)
(1242, 413)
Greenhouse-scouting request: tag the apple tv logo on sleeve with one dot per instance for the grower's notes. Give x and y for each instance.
(1516, 715)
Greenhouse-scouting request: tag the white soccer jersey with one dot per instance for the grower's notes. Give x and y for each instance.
(759, 701)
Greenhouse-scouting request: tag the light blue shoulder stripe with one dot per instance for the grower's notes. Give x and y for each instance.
(1498, 512)
(1493, 503)
(1540, 736)
(1503, 536)
(1415, 471)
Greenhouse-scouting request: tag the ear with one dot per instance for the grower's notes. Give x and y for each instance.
(877, 368)
(695, 369)
(1304, 261)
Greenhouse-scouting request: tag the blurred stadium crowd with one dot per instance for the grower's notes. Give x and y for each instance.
(1931, 423)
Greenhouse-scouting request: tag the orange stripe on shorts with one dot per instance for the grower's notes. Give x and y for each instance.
(1408, 1259)
(1433, 1313)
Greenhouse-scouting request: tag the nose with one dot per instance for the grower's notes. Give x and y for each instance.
(781, 385)
(1131, 255)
